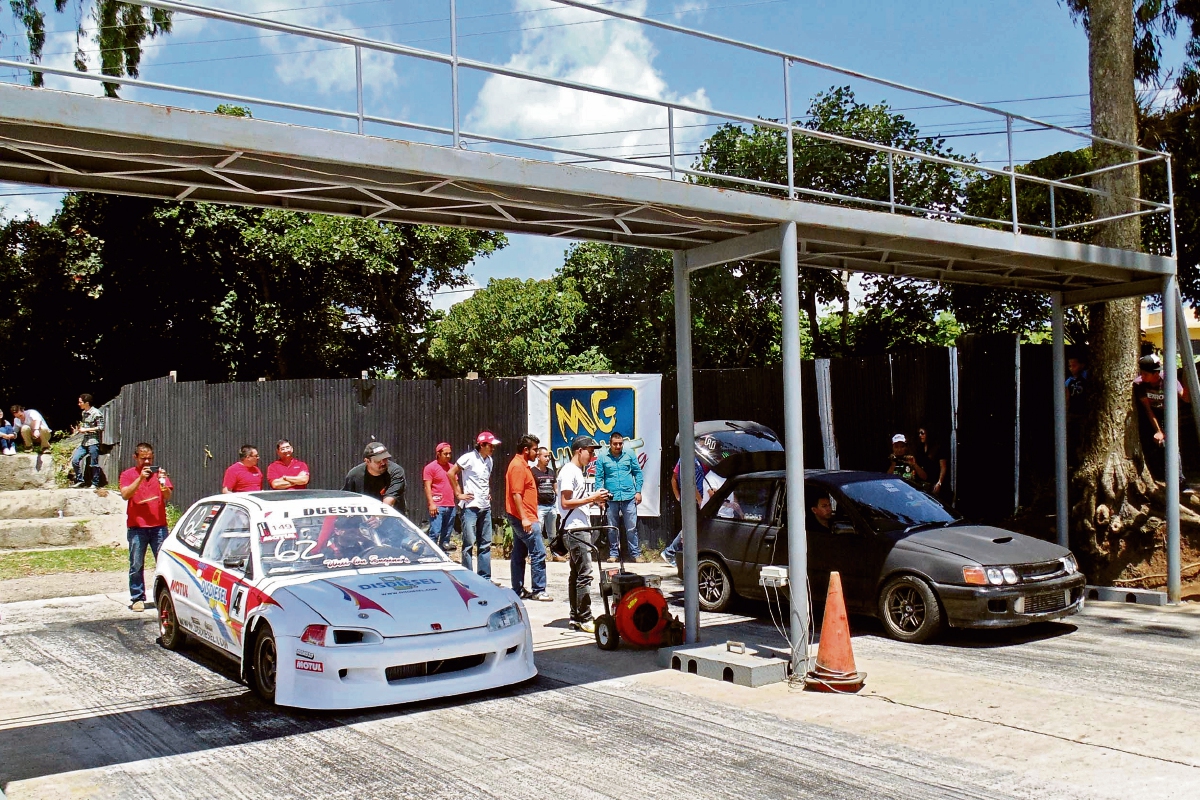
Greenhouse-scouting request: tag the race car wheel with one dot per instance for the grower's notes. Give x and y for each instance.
(607, 637)
(170, 634)
(266, 664)
(716, 586)
(909, 609)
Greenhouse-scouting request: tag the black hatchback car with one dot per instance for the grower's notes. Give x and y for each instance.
(902, 556)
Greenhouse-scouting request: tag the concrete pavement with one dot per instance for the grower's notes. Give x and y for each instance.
(90, 706)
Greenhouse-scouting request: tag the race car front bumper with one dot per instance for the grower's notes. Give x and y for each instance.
(402, 669)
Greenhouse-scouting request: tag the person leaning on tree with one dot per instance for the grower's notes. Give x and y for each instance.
(146, 488)
(243, 475)
(287, 471)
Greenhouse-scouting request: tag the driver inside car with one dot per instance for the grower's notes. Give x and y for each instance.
(820, 516)
(350, 538)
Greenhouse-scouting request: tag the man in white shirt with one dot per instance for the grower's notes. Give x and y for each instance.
(475, 469)
(31, 425)
(576, 509)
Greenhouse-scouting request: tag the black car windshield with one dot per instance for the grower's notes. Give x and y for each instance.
(893, 505)
(329, 542)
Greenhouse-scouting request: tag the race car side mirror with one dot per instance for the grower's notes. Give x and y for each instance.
(235, 562)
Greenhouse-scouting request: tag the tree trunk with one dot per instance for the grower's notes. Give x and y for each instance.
(1111, 484)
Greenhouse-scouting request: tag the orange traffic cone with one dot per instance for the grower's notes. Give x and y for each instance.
(835, 671)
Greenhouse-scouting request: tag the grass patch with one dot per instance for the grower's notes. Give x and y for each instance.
(83, 559)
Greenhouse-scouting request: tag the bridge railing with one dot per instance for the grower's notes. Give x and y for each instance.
(670, 164)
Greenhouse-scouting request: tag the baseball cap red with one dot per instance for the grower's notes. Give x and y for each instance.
(486, 437)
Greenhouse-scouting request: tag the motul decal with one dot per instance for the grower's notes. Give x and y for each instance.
(309, 666)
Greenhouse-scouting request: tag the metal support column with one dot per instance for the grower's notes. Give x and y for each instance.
(687, 446)
(1171, 423)
(1188, 357)
(457, 137)
(358, 81)
(1062, 514)
(793, 432)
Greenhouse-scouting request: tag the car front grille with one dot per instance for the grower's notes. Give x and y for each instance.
(1042, 571)
(1041, 603)
(421, 669)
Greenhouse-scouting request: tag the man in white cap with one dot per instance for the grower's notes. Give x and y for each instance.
(378, 477)
(475, 467)
(902, 463)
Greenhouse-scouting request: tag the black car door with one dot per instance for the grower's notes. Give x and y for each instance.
(843, 547)
(738, 517)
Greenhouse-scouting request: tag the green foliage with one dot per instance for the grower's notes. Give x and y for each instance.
(121, 289)
(120, 30)
(513, 327)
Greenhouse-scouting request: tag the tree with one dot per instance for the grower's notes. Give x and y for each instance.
(513, 327)
(120, 30)
(120, 289)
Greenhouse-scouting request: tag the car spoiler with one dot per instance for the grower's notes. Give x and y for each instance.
(741, 463)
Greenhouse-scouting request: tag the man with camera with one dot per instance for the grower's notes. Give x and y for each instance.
(146, 488)
(904, 464)
(576, 509)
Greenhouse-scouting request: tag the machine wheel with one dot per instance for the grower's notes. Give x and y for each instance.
(716, 586)
(266, 664)
(909, 609)
(170, 634)
(607, 637)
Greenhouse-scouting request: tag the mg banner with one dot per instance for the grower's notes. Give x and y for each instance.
(562, 407)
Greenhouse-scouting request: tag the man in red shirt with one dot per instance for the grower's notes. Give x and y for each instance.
(243, 475)
(521, 508)
(440, 496)
(147, 490)
(288, 472)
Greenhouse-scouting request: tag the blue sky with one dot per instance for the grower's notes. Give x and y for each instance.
(994, 52)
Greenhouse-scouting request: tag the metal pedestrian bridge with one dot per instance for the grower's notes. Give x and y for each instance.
(447, 175)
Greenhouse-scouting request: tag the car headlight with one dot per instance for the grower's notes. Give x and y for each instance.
(995, 576)
(1010, 575)
(1070, 564)
(504, 618)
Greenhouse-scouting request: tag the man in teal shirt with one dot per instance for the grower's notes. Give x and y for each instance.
(620, 473)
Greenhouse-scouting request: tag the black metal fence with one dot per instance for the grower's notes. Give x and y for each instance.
(1002, 434)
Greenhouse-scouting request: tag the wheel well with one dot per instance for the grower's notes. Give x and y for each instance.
(910, 573)
(248, 637)
(159, 583)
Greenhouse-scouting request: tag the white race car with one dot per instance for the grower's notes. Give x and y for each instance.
(334, 600)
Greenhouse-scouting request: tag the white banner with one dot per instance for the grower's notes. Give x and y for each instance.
(562, 407)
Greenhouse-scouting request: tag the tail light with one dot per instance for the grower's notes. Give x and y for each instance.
(314, 634)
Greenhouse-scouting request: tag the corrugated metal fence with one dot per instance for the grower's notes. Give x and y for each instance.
(1004, 421)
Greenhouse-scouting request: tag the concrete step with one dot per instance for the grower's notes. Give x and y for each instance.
(21, 534)
(26, 471)
(49, 503)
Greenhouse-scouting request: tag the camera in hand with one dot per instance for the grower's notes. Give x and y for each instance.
(153, 469)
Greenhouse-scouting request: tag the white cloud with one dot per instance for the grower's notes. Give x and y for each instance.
(690, 7)
(613, 54)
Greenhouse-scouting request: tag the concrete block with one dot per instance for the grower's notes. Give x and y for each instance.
(47, 503)
(24, 534)
(745, 665)
(1118, 594)
(26, 471)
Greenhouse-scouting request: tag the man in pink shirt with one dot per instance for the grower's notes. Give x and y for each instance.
(146, 490)
(440, 497)
(288, 472)
(243, 475)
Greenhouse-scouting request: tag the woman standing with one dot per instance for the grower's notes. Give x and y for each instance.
(935, 462)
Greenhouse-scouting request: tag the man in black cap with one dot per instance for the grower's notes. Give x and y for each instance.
(575, 508)
(378, 477)
(1149, 395)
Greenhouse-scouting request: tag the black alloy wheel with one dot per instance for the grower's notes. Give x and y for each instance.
(910, 610)
(716, 586)
(266, 664)
(170, 635)
(607, 637)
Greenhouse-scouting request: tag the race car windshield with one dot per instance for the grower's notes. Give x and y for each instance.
(893, 505)
(332, 542)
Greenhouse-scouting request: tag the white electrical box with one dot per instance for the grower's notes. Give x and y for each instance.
(773, 576)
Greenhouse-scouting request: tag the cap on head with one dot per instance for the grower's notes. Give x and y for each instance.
(898, 438)
(442, 446)
(1150, 363)
(376, 450)
(486, 437)
(580, 442)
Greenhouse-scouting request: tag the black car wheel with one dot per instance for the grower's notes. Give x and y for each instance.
(909, 609)
(607, 637)
(266, 664)
(170, 634)
(716, 587)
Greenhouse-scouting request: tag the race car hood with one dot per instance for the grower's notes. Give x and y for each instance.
(987, 545)
(404, 603)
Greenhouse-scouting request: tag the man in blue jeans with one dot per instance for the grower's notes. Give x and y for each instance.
(92, 427)
(620, 473)
(475, 467)
(146, 490)
(521, 508)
